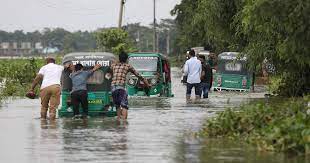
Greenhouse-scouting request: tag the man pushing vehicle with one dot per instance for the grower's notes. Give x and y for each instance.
(50, 75)
(119, 93)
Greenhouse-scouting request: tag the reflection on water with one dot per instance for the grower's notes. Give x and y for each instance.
(191, 149)
(94, 140)
(158, 130)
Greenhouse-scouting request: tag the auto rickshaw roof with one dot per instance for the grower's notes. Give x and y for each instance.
(148, 54)
(88, 56)
(231, 56)
(204, 52)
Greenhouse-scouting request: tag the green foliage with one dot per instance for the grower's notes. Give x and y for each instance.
(18, 75)
(276, 127)
(114, 40)
(65, 41)
(263, 29)
(279, 31)
(140, 37)
(189, 35)
(175, 62)
(79, 41)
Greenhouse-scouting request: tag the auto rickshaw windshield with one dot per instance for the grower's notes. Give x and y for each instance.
(144, 63)
(96, 78)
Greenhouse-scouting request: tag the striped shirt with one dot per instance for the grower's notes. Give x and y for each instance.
(120, 71)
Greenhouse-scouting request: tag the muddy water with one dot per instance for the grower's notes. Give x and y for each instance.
(158, 130)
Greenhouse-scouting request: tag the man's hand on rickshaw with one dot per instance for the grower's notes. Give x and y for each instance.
(68, 64)
(147, 85)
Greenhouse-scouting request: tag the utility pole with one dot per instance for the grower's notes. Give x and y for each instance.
(168, 42)
(139, 41)
(120, 18)
(154, 27)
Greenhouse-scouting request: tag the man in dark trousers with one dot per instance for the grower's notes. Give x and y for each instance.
(192, 69)
(79, 89)
(206, 76)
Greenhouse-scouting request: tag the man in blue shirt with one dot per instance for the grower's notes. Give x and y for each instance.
(192, 69)
(79, 89)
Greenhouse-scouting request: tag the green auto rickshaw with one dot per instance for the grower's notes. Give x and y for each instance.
(98, 85)
(232, 73)
(156, 69)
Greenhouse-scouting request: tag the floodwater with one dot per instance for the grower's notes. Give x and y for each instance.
(158, 130)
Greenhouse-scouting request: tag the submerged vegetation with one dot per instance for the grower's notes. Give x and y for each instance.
(278, 126)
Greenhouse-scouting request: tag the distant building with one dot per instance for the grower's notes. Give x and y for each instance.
(15, 45)
(4, 48)
(5, 45)
(20, 48)
(25, 45)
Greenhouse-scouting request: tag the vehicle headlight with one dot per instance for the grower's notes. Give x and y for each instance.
(108, 76)
(153, 81)
(131, 81)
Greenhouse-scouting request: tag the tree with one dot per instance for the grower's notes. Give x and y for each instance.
(280, 32)
(114, 40)
(167, 35)
(79, 41)
(55, 37)
(142, 36)
(189, 34)
(262, 29)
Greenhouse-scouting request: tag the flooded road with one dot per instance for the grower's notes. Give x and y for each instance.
(158, 130)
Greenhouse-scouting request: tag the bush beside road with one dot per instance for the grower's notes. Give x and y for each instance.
(271, 126)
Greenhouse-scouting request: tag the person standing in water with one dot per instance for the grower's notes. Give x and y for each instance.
(79, 89)
(120, 97)
(192, 69)
(50, 75)
(206, 76)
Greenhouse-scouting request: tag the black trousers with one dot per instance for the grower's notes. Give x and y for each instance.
(77, 98)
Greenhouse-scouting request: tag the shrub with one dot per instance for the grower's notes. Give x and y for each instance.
(280, 126)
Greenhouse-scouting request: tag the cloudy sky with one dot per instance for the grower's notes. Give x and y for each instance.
(30, 15)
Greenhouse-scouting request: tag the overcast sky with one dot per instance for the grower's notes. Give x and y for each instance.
(30, 15)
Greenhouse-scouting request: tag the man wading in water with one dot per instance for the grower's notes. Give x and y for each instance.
(192, 69)
(119, 94)
(79, 89)
(50, 88)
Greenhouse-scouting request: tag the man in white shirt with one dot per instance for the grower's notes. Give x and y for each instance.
(50, 88)
(192, 69)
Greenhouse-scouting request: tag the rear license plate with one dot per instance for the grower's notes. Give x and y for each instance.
(96, 101)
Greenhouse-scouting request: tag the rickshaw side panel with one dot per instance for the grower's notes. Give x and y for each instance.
(223, 81)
